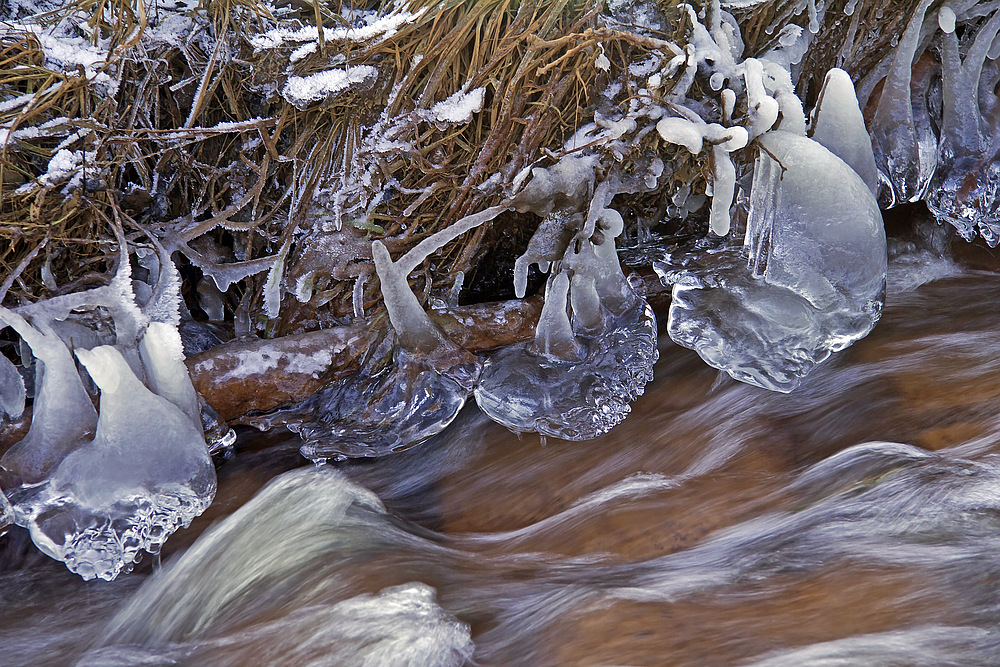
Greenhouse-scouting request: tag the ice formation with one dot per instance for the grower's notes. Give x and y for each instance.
(12, 391)
(838, 125)
(63, 416)
(966, 188)
(815, 279)
(905, 150)
(96, 487)
(577, 378)
(412, 382)
(145, 474)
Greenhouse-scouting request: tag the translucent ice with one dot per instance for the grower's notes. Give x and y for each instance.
(145, 474)
(412, 382)
(838, 125)
(809, 281)
(63, 415)
(966, 189)
(163, 358)
(12, 391)
(576, 379)
(905, 159)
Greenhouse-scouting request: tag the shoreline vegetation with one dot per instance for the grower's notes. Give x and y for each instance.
(242, 174)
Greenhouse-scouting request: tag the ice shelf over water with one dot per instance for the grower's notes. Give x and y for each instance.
(809, 280)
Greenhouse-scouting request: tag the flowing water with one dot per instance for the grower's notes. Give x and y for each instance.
(855, 521)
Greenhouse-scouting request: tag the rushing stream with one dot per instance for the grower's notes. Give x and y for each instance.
(855, 521)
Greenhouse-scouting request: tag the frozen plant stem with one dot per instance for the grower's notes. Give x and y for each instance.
(414, 328)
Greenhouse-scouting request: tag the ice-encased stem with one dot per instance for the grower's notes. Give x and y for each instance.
(414, 328)
(893, 118)
(960, 121)
(554, 333)
(760, 218)
(162, 354)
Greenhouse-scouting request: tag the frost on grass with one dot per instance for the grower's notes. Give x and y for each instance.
(304, 90)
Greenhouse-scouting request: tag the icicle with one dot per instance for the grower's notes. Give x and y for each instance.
(837, 123)
(63, 416)
(907, 169)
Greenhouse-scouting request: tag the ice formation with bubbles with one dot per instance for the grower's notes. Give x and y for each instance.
(578, 376)
(95, 488)
(411, 384)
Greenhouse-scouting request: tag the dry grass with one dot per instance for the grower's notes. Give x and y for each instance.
(254, 189)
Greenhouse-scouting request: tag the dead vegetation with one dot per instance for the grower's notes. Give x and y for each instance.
(183, 134)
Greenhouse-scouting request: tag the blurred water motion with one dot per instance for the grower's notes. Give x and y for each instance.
(855, 521)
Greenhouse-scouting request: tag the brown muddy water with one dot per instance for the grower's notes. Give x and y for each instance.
(853, 522)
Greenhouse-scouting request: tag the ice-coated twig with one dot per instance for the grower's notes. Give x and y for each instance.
(554, 333)
(961, 131)
(413, 327)
(897, 152)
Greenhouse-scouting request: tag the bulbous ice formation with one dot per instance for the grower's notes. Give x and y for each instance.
(63, 415)
(145, 474)
(576, 379)
(815, 279)
(412, 382)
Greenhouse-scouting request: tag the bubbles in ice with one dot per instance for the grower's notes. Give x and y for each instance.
(145, 474)
(813, 281)
(411, 383)
(576, 379)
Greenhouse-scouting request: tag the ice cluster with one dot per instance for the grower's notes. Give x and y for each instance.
(412, 382)
(96, 487)
(578, 376)
(936, 127)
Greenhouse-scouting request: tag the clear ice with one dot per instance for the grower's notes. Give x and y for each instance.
(809, 280)
(145, 474)
(965, 190)
(96, 487)
(904, 143)
(412, 382)
(12, 390)
(577, 378)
